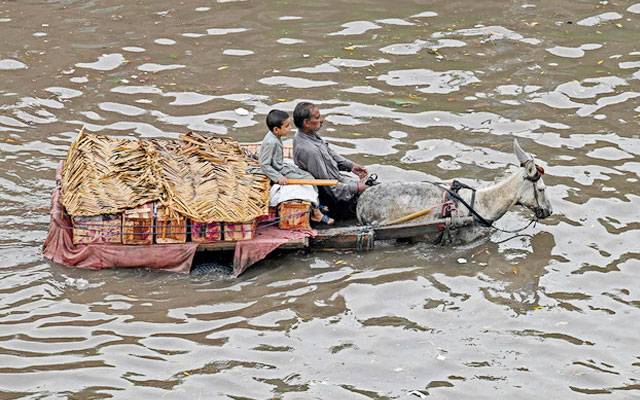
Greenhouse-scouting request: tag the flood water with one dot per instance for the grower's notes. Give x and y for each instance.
(413, 90)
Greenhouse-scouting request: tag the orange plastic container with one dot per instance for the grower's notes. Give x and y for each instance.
(294, 215)
(137, 225)
(239, 231)
(170, 228)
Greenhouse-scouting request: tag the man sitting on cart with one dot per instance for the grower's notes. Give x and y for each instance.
(313, 154)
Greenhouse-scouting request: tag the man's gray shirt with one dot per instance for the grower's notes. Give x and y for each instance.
(313, 154)
(272, 160)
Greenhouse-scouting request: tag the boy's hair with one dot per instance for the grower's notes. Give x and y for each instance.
(276, 118)
(302, 112)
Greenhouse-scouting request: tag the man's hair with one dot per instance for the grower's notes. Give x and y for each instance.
(276, 118)
(302, 112)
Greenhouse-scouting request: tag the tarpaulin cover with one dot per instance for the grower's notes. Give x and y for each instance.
(266, 240)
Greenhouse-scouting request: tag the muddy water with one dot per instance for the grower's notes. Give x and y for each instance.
(411, 89)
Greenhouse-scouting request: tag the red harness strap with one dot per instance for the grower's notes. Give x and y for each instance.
(448, 206)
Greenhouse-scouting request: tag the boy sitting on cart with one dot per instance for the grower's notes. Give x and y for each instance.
(275, 168)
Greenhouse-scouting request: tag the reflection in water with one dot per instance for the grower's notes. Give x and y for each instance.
(414, 94)
(106, 62)
(9, 64)
(428, 81)
(573, 52)
(153, 67)
(298, 83)
(237, 52)
(598, 19)
(224, 31)
(355, 28)
(289, 41)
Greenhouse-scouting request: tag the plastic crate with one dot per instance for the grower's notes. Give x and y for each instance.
(204, 232)
(239, 231)
(97, 229)
(294, 215)
(169, 228)
(137, 225)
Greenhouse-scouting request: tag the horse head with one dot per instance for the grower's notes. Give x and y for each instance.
(532, 193)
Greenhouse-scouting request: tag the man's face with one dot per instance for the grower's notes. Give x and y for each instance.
(314, 123)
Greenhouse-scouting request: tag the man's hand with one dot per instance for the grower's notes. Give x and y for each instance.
(359, 170)
(361, 187)
(283, 181)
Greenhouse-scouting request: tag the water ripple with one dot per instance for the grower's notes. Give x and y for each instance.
(412, 94)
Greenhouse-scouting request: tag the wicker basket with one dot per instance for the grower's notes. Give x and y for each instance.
(294, 214)
(99, 229)
(239, 231)
(137, 225)
(203, 232)
(170, 228)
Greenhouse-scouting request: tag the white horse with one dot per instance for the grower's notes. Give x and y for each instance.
(386, 202)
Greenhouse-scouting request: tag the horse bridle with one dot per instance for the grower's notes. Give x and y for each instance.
(488, 223)
(534, 179)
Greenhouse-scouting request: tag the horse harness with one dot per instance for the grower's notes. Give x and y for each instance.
(451, 198)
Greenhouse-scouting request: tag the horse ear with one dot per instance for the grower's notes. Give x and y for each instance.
(523, 157)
